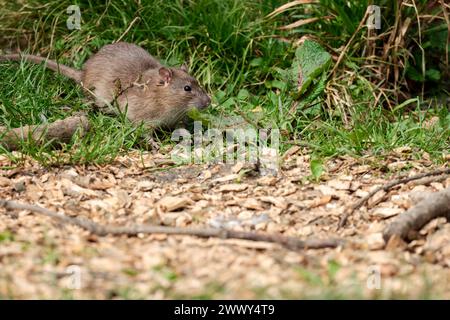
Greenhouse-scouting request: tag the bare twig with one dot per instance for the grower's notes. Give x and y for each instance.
(434, 206)
(386, 188)
(128, 29)
(427, 180)
(103, 230)
(344, 51)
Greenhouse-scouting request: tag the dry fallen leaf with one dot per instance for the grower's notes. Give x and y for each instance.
(230, 177)
(237, 167)
(317, 202)
(251, 203)
(386, 212)
(5, 182)
(279, 202)
(375, 241)
(236, 187)
(74, 190)
(339, 184)
(376, 199)
(170, 203)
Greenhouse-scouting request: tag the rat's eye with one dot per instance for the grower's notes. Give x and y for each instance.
(187, 88)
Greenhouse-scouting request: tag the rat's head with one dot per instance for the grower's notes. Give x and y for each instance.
(171, 93)
(180, 89)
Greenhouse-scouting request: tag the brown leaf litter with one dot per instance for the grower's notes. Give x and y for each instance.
(39, 256)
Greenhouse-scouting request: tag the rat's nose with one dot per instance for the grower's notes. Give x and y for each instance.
(205, 102)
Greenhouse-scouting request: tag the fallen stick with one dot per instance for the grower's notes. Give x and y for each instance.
(386, 188)
(435, 206)
(60, 131)
(103, 230)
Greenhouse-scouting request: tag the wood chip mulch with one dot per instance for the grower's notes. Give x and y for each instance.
(38, 255)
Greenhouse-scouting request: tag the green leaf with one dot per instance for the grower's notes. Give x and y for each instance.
(316, 168)
(6, 236)
(196, 115)
(413, 74)
(316, 92)
(433, 74)
(220, 95)
(243, 94)
(256, 62)
(222, 122)
(276, 84)
(310, 61)
(333, 268)
(228, 103)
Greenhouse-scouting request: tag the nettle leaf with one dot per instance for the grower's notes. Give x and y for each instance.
(310, 61)
(315, 92)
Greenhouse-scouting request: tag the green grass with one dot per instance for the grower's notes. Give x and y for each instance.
(230, 46)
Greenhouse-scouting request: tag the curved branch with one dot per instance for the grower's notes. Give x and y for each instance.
(435, 206)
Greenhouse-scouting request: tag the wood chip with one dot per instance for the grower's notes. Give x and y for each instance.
(235, 187)
(279, 202)
(5, 182)
(170, 203)
(385, 213)
(230, 177)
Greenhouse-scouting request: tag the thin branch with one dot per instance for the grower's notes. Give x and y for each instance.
(103, 230)
(128, 29)
(344, 51)
(434, 206)
(386, 187)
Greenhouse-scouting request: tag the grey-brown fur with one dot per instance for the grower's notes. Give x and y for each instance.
(127, 74)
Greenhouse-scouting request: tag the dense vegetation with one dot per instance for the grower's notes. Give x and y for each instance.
(384, 86)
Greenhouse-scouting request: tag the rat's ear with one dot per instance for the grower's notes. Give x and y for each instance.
(184, 67)
(166, 74)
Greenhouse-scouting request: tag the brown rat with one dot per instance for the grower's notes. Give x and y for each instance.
(146, 90)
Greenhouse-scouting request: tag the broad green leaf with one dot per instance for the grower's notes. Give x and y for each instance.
(310, 61)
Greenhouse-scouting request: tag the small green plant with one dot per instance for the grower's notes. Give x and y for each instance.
(6, 236)
(316, 168)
